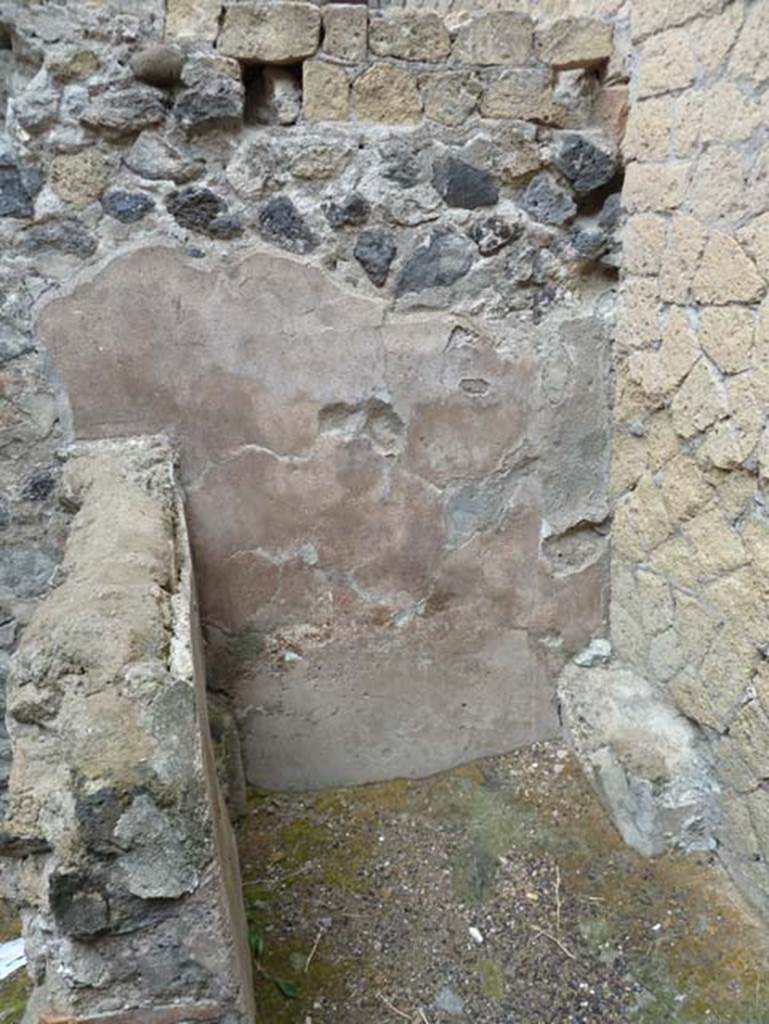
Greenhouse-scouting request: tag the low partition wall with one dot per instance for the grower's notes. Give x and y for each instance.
(125, 862)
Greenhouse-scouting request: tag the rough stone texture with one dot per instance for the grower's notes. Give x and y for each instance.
(128, 207)
(575, 43)
(405, 419)
(587, 166)
(650, 766)
(522, 94)
(132, 898)
(387, 93)
(375, 250)
(345, 28)
(126, 111)
(690, 535)
(499, 37)
(200, 209)
(193, 19)
(79, 178)
(282, 33)
(403, 468)
(462, 185)
(326, 92)
(409, 36)
(450, 97)
(279, 96)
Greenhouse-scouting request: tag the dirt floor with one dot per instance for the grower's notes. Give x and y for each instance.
(495, 893)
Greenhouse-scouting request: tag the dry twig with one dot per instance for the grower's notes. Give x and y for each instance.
(557, 900)
(556, 940)
(394, 1009)
(313, 951)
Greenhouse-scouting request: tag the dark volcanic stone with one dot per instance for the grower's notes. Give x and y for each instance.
(15, 200)
(547, 201)
(127, 206)
(281, 222)
(401, 166)
(22, 846)
(463, 185)
(589, 242)
(436, 263)
(214, 103)
(125, 111)
(587, 166)
(158, 65)
(611, 212)
(39, 486)
(353, 209)
(79, 905)
(199, 209)
(491, 234)
(375, 250)
(66, 236)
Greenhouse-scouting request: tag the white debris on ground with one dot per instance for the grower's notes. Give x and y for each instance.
(12, 957)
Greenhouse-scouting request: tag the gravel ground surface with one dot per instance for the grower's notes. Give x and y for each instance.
(497, 894)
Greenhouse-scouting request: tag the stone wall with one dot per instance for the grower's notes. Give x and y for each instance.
(127, 873)
(361, 266)
(689, 469)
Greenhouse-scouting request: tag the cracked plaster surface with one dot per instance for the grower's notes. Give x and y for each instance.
(368, 496)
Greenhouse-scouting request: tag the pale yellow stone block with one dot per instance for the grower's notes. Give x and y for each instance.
(345, 32)
(750, 56)
(388, 94)
(700, 401)
(755, 537)
(712, 39)
(676, 559)
(686, 240)
(728, 114)
(684, 487)
(718, 545)
(643, 243)
(575, 43)
(737, 491)
(325, 91)
(667, 63)
(79, 178)
(524, 94)
(497, 37)
(687, 121)
(754, 238)
(717, 191)
(641, 520)
(655, 601)
(628, 462)
(649, 126)
(409, 35)
(726, 335)
(662, 440)
(726, 274)
(638, 314)
(655, 186)
(740, 597)
(659, 372)
(192, 19)
(280, 33)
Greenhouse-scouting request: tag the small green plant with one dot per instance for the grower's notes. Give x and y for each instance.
(256, 943)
